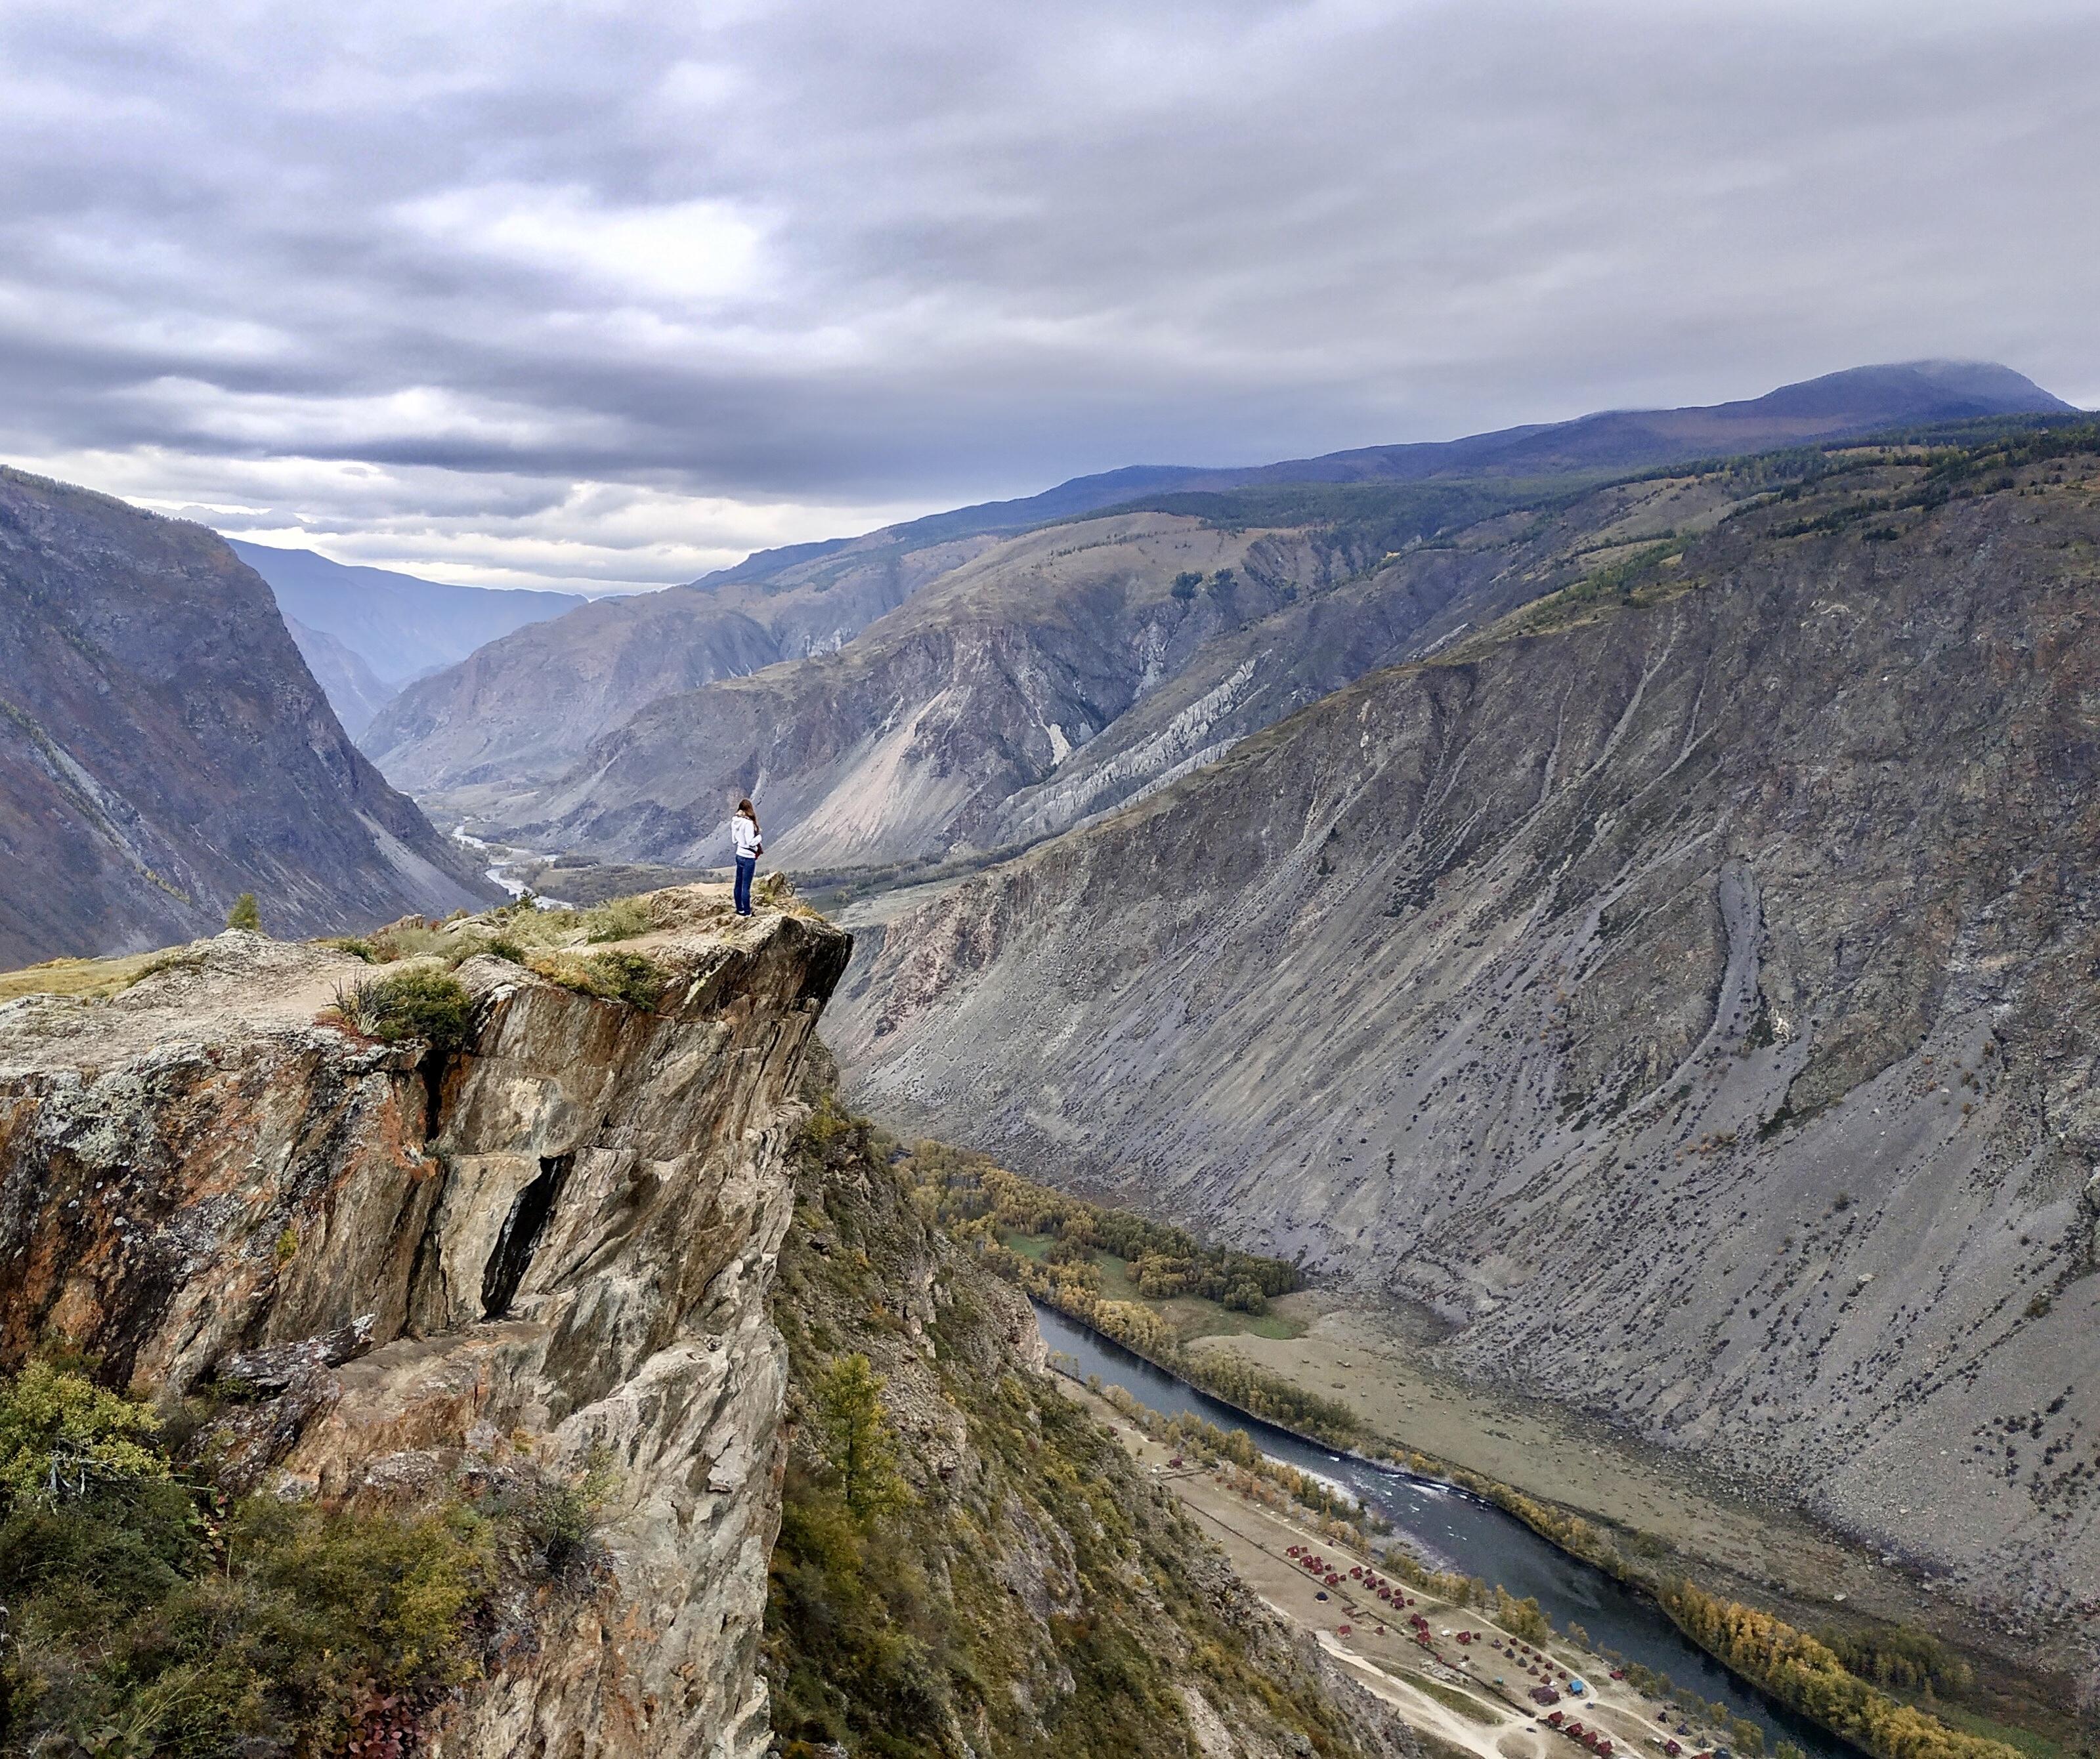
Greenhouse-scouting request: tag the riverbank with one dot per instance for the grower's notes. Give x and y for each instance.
(1459, 1678)
(1378, 1362)
(1647, 1565)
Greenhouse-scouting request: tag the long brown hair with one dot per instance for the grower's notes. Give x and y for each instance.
(749, 811)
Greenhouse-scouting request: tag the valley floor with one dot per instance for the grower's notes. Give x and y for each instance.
(1441, 1690)
(1378, 1361)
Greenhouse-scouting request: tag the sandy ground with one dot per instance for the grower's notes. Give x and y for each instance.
(1372, 1642)
(1375, 1361)
(211, 991)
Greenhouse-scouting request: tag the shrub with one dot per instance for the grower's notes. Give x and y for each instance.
(60, 1430)
(614, 976)
(1186, 585)
(141, 1621)
(620, 919)
(630, 977)
(558, 1518)
(245, 913)
(416, 1003)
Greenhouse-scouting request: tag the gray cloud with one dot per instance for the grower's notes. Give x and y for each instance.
(610, 293)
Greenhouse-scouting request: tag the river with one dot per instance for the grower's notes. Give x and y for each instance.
(1450, 1529)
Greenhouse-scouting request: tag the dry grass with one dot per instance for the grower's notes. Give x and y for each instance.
(93, 979)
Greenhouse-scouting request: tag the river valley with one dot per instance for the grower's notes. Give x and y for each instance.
(1447, 1528)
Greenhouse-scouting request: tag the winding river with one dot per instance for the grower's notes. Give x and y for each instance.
(1451, 1529)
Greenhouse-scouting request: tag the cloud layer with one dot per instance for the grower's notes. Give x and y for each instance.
(610, 294)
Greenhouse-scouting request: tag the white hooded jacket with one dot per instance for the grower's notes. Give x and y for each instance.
(745, 833)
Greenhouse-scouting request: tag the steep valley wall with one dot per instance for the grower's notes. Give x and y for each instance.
(1691, 992)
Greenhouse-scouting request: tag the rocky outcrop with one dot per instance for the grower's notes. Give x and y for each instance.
(554, 1243)
(163, 748)
(1688, 991)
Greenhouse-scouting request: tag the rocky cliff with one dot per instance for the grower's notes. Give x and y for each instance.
(163, 748)
(1687, 989)
(551, 1245)
(508, 1298)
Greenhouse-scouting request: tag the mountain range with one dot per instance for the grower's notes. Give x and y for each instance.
(1620, 892)
(1619, 887)
(1681, 986)
(988, 676)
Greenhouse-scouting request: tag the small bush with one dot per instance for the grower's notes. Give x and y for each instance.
(556, 1519)
(61, 1435)
(1185, 584)
(628, 977)
(620, 919)
(614, 976)
(245, 913)
(411, 940)
(419, 1003)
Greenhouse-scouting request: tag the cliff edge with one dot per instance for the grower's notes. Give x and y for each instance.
(551, 1243)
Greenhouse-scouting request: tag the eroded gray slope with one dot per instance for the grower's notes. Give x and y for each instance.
(163, 748)
(1695, 999)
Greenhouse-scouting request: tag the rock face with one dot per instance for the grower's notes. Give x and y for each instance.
(564, 1232)
(1687, 989)
(163, 748)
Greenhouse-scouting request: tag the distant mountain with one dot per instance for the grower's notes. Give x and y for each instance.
(492, 737)
(164, 748)
(401, 627)
(351, 686)
(1838, 406)
(1858, 400)
(519, 710)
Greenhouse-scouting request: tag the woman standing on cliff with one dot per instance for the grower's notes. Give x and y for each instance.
(743, 831)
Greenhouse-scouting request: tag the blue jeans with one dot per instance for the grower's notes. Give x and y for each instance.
(746, 866)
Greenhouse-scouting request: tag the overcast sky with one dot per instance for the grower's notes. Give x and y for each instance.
(609, 294)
